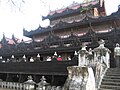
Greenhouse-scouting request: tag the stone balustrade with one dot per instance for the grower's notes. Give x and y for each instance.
(12, 85)
(22, 86)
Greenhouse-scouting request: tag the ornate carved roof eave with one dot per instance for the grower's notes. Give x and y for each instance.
(64, 25)
(68, 12)
(85, 21)
(38, 31)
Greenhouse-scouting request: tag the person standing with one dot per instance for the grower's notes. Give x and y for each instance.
(59, 58)
(48, 58)
(117, 55)
(54, 58)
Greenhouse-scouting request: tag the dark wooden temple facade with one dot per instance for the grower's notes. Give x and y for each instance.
(69, 28)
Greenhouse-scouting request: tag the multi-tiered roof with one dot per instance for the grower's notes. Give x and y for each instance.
(75, 15)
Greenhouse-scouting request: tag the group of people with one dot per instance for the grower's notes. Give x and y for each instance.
(54, 58)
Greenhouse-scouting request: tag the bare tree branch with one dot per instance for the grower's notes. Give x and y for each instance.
(13, 2)
(17, 4)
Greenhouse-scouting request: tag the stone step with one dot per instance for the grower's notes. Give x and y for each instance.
(110, 87)
(112, 74)
(111, 83)
(111, 80)
(106, 89)
(113, 70)
(111, 77)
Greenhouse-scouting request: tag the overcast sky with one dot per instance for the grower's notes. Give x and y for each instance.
(12, 20)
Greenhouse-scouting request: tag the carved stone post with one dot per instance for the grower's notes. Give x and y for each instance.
(42, 84)
(82, 56)
(102, 54)
(68, 80)
(79, 78)
(102, 61)
(30, 84)
(90, 57)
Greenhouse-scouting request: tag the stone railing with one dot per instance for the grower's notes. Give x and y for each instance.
(12, 85)
(23, 86)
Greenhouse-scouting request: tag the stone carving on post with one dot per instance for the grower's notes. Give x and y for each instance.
(42, 84)
(80, 77)
(90, 57)
(102, 61)
(102, 54)
(82, 56)
(68, 80)
(30, 84)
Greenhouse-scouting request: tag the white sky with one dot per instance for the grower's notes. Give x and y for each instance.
(12, 21)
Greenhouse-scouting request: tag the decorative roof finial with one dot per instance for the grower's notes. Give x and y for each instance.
(75, 53)
(55, 54)
(24, 57)
(14, 39)
(38, 55)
